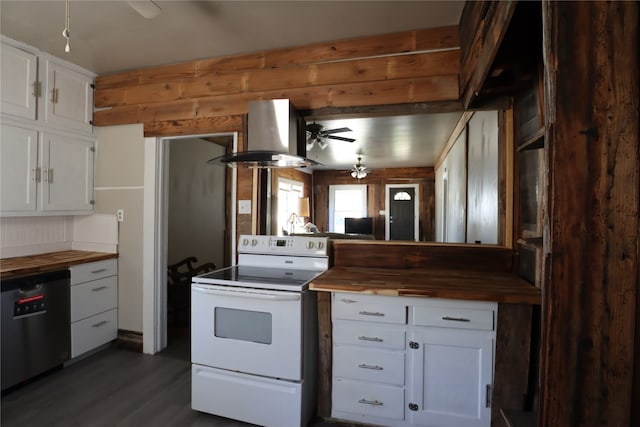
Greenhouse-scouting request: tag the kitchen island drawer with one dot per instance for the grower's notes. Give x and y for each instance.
(358, 307)
(93, 270)
(93, 332)
(369, 400)
(368, 334)
(455, 315)
(365, 364)
(93, 297)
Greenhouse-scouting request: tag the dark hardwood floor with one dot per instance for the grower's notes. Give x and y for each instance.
(114, 387)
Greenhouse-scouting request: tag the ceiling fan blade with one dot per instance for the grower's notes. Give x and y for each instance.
(327, 132)
(340, 138)
(147, 8)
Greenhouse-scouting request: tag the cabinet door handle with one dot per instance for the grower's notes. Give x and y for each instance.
(45, 174)
(54, 95)
(99, 288)
(456, 319)
(374, 367)
(371, 313)
(370, 402)
(100, 270)
(374, 339)
(348, 301)
(102, 323)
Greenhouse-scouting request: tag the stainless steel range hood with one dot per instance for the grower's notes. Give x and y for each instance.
(276, 138)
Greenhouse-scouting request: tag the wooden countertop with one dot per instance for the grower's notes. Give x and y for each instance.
(434, 283)
(34, 264)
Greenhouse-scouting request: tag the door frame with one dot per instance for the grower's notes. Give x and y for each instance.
(416, 209)
(155, 236)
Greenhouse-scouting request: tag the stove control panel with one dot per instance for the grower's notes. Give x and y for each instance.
(284, 245)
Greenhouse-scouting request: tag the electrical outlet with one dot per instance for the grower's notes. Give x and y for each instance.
(120, 215)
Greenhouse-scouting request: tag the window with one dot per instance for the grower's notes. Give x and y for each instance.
(288, 194)
(402, 195)
(346, 201)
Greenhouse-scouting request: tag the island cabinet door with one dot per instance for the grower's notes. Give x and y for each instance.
(451, 377)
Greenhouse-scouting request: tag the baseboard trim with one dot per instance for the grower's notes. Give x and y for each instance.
(129, 340)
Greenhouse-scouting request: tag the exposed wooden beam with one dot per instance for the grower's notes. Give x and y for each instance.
(483, 25)
(592, 96)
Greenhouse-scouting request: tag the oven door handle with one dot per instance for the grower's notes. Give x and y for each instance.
(244, 294)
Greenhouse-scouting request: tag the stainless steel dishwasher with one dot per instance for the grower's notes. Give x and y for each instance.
(36, 328)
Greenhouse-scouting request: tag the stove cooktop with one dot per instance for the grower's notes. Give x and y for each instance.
(259, 277)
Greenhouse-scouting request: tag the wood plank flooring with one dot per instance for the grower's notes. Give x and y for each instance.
(114, 387)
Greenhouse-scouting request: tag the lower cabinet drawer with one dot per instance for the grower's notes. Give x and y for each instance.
(368, 334)
(93, 331)
(93, 297)
(454, 317)
(349, 307)
(368, 399)
(365, 364)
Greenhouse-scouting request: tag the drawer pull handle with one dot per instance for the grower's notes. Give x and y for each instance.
(100, 270)
(348, 301)
(456, 319)
(99, 288)
(372, 313)
(374, 367)
(374, 339)
(370, 402)
(97, 325)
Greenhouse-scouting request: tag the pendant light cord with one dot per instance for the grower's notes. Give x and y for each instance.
(65, 32)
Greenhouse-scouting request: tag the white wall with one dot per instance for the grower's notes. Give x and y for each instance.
(451, 204)
(119, 167)
(196, 202)
(482, 182)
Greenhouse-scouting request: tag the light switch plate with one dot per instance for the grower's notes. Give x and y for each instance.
(244, 206)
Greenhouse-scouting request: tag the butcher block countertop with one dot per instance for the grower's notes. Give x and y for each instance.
(34, 264)
(434, 283)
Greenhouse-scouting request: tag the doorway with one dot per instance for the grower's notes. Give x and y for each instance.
(195, 222)
(402, 207)
(155, 233)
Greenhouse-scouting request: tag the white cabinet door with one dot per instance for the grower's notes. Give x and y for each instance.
(69, 98)
(67, 173)
(18, 168)
(451, 377)
(19, 78)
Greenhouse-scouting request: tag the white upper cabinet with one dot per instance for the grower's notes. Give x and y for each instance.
(69, 98)
(67, 173)
(19, 77)
(18, 168)
(47, 143)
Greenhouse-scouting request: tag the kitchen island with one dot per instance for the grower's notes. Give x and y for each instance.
(424, 274)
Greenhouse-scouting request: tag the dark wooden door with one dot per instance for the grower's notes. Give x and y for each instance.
(402, 213)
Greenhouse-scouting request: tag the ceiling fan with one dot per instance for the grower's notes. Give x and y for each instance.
(359, 171)
(316, 135)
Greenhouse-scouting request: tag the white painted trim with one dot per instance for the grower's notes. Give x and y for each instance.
(416, 209)
(140, 187)
(152, 341)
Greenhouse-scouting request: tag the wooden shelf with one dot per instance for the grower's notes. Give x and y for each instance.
(534, 142)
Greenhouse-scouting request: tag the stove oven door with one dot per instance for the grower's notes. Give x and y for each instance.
(247, 330)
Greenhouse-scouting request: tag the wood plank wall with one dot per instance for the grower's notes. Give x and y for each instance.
(376, 181)
(408, 67)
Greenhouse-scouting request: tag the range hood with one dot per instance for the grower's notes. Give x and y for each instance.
(276, 138)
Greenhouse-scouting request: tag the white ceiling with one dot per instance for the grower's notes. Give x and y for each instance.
(110, 36)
